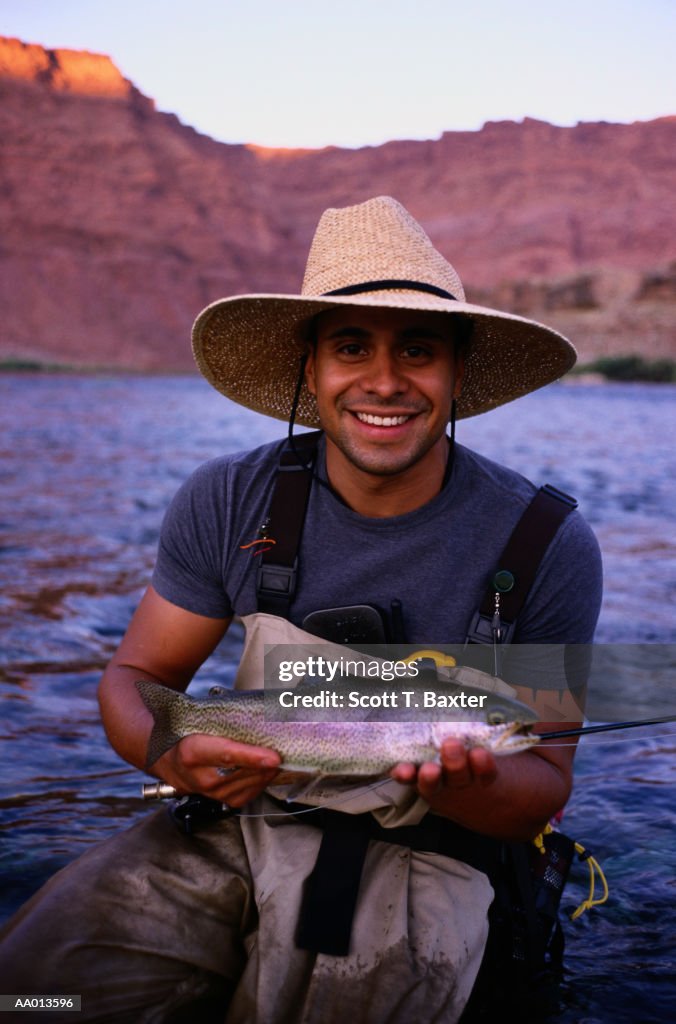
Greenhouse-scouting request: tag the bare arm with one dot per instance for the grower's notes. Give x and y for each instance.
(508, 797)
(166, 644)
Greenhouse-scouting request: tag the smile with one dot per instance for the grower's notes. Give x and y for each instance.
(381, 421)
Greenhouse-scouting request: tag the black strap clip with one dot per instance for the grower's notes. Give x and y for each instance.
(276, 585)
(481, 630)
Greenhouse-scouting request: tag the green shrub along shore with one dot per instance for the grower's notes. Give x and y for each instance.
(631, 368)
(612, 368)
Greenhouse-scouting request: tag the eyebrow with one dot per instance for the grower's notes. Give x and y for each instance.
(430, 333)
(348, 332)
(408, 333)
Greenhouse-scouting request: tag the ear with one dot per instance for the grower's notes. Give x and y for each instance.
(310, 371)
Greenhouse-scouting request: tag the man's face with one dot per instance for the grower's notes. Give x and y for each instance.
(384, 380)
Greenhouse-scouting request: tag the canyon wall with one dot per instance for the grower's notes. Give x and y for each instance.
(119, 223)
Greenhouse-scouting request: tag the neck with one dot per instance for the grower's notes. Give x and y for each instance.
(379, 496)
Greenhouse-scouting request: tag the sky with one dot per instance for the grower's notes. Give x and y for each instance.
(309, 73)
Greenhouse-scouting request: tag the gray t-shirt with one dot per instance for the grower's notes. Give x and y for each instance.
(437, 560)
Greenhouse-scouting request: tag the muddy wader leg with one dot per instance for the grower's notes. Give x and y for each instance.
(148, 927)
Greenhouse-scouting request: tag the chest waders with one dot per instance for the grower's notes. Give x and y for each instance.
(523, 957)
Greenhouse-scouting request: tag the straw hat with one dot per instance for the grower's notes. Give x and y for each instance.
(374, 254)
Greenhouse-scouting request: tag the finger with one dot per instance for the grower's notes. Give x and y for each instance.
(245, 788)
(404, 772)
(483, 765)
(199, 750)
(245, 756)
(455, 764)
(429, 780)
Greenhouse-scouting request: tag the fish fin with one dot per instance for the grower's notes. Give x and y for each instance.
(292, 778)
(159, 700)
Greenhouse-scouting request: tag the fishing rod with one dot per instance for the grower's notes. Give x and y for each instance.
(609, 727)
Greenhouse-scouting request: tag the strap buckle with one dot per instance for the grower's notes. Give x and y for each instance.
(276, 583)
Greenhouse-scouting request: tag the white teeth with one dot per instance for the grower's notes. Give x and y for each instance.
(382, 421)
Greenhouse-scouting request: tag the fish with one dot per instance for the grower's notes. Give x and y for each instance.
(327, 748)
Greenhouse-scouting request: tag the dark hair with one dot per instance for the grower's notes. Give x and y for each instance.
(463, 329)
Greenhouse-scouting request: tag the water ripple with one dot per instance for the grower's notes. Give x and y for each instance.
(88, 466)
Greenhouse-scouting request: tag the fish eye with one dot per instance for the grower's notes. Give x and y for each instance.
(496, 718)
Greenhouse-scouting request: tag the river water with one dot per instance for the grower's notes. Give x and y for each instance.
(88, 466)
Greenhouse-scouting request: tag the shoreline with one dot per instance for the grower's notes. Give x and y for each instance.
(623, 369)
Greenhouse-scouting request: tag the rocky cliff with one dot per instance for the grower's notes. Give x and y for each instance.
(120, 223)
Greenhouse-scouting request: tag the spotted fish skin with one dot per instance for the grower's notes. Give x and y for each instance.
(358, 748)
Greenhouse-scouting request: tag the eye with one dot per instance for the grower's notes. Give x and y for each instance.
(496, 718)
(416, 352)
(350, 349)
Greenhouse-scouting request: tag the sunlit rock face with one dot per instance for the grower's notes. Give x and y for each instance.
(120, 223)
(72, 71)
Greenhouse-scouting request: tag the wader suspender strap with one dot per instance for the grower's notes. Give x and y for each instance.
(276, 576)
(518, 566)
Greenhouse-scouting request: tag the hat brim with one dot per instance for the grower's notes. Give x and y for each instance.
(249, 346)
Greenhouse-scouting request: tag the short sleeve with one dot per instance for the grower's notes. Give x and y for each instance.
(189, 567)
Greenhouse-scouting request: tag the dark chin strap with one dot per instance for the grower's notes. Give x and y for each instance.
(296, 394)
(306, 463)
(451, 447)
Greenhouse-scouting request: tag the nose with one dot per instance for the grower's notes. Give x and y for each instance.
(383, 375)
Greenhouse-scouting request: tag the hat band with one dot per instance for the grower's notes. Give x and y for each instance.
(377, 286)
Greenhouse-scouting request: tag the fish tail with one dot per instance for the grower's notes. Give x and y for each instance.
(161, 702)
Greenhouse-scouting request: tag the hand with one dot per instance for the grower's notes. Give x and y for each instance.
(197, 764)
(459, 769)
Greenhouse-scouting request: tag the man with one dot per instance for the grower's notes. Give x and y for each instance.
(381, 351)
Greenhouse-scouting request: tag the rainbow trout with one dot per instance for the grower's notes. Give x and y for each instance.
(352, 748)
